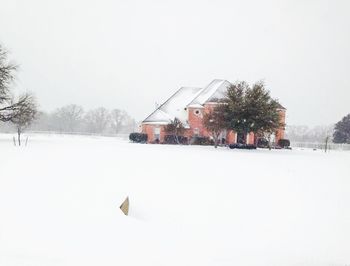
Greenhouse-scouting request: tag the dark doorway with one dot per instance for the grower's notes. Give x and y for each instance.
(241, 138)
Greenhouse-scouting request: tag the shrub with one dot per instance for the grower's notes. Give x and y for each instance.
(262, 143)
(283, 143)
(171, 139)
(138, 137)
(242, 146)
(202, 141)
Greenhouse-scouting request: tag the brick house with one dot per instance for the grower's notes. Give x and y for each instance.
(189, 104)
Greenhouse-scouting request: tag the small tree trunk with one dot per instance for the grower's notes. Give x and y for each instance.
(19, 136)
(244, 137)
(256, 137)
(216, 140)
(177, 139)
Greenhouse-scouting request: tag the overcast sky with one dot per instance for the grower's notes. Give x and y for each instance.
(130, 54)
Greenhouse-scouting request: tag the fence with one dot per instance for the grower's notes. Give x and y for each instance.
(119, 135)
(330, 146)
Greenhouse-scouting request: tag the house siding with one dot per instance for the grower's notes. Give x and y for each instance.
(149, 129)
(195, 121)
(280, 132)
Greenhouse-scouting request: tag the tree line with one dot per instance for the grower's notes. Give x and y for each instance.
(304, 133)
(318, 134)
(73, 118)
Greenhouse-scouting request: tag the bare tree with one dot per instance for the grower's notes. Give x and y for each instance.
(24, 114)
(20, 112)
(43, 122)
(7, 72)
(97, 120)
(175, 128)
(68, 118)
(215, 123)
(117, 119)
(308, 134)
(129, 125)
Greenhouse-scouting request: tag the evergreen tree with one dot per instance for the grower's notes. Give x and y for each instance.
(342, 131)
(251, 109)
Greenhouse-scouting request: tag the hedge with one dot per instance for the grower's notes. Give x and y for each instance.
(138, 137)
(202, 141)
(283, 143)
(262, 143)
(242, 146)
(171, 139)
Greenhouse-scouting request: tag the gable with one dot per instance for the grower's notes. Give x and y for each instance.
(174, 107)
(215, 90)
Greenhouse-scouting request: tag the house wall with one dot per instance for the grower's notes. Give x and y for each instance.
(280, 132)
(250, 138)
(149, 129)
(195, 120)
(231, 137)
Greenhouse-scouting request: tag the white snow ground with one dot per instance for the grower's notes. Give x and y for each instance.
(59, 200)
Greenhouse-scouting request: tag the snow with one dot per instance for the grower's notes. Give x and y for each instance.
(215, 90)
(174, 106)
(189, 205)
(159, 116)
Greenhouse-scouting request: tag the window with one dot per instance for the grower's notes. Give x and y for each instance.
(156, 133)
(196, 132)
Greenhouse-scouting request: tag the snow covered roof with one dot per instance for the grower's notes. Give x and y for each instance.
(215, 90)
(176, 105)
(280, 106)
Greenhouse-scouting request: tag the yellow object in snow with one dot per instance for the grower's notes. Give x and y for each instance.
(125, 206)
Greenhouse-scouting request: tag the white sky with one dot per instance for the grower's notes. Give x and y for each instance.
(131, 54)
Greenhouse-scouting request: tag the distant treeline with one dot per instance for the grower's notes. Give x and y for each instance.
(73, 118)
(316, 134)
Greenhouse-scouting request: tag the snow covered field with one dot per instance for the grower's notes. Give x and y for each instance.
(60, 197)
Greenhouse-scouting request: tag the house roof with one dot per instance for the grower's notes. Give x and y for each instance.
(280, 106)
(215, 90)
(175, 106)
